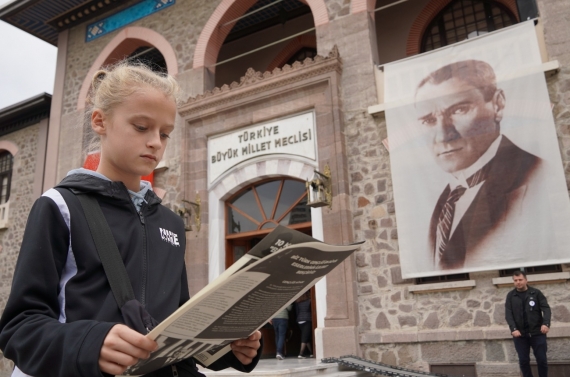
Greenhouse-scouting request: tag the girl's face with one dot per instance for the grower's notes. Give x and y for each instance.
(134, 135)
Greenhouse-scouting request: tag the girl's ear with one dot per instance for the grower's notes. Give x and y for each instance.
(98, 122)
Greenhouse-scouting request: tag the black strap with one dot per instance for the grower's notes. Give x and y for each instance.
(107, 250)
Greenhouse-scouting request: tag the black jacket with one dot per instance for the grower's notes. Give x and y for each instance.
(61, 307)
(537, 314)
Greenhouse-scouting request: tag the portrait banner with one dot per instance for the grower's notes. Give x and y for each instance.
(476, 167)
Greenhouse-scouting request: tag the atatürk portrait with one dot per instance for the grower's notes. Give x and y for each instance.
(493, 185)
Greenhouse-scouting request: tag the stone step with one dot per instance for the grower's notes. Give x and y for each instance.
(290, 367)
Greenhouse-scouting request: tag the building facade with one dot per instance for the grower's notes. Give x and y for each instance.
(24, 127)
(249, 69)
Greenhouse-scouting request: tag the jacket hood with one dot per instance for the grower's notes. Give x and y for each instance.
(86, 183)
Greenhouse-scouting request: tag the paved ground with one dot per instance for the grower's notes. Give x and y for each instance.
(288, 367)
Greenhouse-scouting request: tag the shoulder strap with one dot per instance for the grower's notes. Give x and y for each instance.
(107, 250)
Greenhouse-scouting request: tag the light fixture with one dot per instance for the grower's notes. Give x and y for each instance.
(186, 211)
(319, 189)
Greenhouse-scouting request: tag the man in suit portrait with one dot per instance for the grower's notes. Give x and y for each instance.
(493, 187)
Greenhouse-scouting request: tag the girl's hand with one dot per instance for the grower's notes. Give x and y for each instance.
(122, 348)
(246, 349)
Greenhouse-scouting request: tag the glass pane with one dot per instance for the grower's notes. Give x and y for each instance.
(292, 190)
(238, 223)
(269, 226)
(239, 251)
(247, 204)
(300, 214)
(267, 193)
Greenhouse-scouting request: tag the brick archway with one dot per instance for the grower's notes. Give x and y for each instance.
(123, 44)
(9, 146)
(213, 36)
(358, 6)
(429, 13)
(290, 50)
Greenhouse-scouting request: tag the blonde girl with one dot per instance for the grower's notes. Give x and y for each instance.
(61, 318)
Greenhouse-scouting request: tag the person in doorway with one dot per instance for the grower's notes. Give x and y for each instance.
(528, 315)
(61, 318)
(280, 324)
(305, 321)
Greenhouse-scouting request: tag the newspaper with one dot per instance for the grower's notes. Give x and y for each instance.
(271, 276)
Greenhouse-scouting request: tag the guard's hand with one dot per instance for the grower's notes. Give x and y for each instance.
(246, 349)
(516, 334)
(122, 348)
(544, 329)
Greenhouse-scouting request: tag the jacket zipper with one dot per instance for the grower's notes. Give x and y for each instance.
(145, 259)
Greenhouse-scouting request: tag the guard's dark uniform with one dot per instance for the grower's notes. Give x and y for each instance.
(526, 312)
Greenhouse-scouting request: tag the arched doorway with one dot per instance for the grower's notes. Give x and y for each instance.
(250, 215)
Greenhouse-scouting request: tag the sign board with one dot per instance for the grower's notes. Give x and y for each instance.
(294, 136)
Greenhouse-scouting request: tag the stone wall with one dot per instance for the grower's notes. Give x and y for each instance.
(21, 200)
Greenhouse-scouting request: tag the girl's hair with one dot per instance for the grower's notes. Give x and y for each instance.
(111, 85)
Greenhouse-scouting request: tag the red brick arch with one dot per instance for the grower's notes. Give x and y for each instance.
(428, 14)
(290, 50)
(125, 42)
(213, 36)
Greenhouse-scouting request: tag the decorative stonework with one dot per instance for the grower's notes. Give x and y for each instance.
(124, 17)
(255, 82)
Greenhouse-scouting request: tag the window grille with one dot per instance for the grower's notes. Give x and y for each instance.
(532, 270)
(6, 162)
(463, 19)
(151, 57)
(442, 278)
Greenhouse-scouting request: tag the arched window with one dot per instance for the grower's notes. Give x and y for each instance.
(258, 35)
(463, 19)
(268, 204)
(256, 210)
(6, 162)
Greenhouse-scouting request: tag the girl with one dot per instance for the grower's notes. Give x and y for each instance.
(61, 318)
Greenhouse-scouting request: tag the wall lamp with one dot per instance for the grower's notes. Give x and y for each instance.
(319, 189)
(186, 211)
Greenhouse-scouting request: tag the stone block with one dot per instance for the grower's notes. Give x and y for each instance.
(376, 259)
(482, 319)
(497, 370)
(460, 317)
(407, 321)
(339, 341)
(432, 321)
(451, 352)
(494, 351)
(389, 357)
(400, 337)
(396, 276)
(560, 313)
(376, 302)
(382, 282)
(437, 336)
(371, 337)
(382, 321)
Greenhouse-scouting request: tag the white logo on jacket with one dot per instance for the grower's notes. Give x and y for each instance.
(169, 237)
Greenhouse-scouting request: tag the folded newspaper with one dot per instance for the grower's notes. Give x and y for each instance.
(272, 275)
